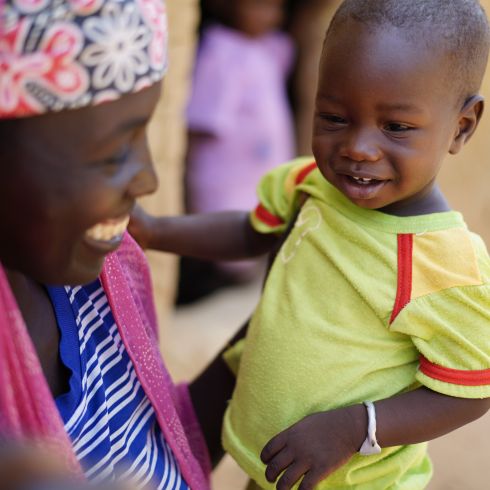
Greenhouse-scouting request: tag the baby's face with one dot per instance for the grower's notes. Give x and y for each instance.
(69, 184)
(384, 119)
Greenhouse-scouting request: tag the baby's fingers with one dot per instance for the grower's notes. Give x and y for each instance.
(278, 464)
(310, 480)
(275, 445)
(292, 475)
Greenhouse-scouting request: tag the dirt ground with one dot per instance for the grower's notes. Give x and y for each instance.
(196, 333)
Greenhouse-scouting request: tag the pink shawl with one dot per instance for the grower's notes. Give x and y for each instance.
(27, 409)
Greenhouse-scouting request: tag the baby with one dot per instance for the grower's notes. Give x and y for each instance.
(379, 292)
(81, 376)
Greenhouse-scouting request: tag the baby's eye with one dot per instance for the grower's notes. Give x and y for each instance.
(397, 127)
(332, 120)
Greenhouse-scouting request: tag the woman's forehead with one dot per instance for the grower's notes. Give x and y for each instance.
(57, 55)
(86, 131)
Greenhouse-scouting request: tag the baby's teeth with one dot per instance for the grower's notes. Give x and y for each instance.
(362, 179)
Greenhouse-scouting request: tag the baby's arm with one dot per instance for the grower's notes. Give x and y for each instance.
(322, 442)
(214, 236)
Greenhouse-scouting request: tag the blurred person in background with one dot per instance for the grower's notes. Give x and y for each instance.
(239, 119)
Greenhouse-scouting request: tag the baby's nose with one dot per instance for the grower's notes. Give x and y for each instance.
(362, 146)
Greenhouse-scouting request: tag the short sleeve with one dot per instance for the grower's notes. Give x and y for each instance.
(233, 355)
(214, 88)
(451, 331)
(277, 193)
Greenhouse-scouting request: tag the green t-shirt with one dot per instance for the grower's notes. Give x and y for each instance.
(358, 305)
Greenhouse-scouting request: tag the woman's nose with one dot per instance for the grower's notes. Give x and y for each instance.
(361, 146)
(144, 180)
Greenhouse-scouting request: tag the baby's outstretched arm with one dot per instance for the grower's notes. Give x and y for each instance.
(213, 236)
(322, 442)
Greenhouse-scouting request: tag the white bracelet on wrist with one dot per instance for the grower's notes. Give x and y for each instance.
(370, 445)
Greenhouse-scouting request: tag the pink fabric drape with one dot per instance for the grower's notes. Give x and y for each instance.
(27, 409)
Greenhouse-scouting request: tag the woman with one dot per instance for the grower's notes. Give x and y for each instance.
(79, 365)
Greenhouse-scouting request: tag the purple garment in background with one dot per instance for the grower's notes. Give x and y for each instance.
(239, 105)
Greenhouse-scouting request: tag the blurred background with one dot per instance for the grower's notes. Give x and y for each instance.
(238, 99)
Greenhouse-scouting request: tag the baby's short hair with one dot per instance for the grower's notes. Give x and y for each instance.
(458, 27)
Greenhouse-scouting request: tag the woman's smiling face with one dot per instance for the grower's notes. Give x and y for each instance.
(69, 182)
(385, 117)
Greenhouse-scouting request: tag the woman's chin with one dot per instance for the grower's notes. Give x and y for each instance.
(74, 275)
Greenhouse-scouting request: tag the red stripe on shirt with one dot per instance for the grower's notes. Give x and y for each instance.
(266, 217)
(304, 173)
(454, 376)
(404, 286)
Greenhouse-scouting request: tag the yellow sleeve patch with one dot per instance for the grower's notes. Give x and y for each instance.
(294, 175)
(443, 259)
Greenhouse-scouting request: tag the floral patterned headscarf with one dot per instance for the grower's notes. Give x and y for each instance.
(65, 54)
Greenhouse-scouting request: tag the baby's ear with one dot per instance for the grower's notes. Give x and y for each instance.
(469, 117)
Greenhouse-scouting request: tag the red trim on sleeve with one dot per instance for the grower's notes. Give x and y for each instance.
(454, 376)
(304, 173)
(404, 286)
(266, 217)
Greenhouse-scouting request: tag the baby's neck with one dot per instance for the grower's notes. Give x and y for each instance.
(432, 202)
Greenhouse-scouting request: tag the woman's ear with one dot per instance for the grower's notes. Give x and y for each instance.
(468, 120)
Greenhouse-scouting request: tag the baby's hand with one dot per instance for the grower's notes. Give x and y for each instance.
(140, 226)
(314, 447)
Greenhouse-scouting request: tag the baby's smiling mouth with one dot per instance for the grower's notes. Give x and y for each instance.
(108, 231)
(361, 186)
(363, 180)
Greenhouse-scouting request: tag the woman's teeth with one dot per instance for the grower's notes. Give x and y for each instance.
(108, 230)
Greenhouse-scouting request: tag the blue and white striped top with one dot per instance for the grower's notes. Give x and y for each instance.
(106, 413)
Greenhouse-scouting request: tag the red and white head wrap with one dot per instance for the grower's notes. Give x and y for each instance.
(66, 54)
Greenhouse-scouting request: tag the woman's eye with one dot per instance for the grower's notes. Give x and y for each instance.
(119, 157)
